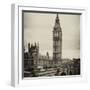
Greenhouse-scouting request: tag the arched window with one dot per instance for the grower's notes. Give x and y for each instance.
(63, 73)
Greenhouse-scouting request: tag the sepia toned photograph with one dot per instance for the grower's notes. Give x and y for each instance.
(51, 44)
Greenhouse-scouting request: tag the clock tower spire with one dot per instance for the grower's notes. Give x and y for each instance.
(57, 41)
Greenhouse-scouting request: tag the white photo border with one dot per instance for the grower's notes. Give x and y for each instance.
(16, 41)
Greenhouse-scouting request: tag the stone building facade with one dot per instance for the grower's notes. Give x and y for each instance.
(32, 58)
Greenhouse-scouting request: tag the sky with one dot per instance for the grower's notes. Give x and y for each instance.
(38, 27)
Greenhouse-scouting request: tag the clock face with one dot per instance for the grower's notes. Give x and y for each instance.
(56, 34)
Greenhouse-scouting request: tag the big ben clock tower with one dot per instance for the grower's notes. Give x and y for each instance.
(57, 42)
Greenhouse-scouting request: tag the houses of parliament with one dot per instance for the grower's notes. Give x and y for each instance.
(36, 64)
